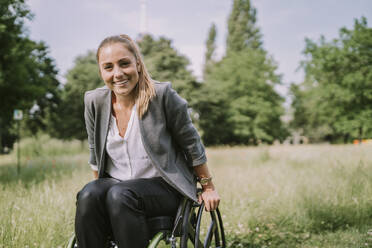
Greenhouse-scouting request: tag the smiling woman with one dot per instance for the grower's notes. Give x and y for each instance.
(119, 69)
(120, 64)
(145, 152)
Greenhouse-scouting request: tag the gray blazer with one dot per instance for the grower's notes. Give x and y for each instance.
(168, 135)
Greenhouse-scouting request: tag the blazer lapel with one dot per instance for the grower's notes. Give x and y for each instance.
(105, 122)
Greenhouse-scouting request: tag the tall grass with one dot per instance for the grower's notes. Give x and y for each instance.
(278, 196)
(289, 196)
(37, 206)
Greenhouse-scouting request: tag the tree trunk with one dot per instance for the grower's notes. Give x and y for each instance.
(1, 144)
(346, 138)
(360, 135)
(1, 136)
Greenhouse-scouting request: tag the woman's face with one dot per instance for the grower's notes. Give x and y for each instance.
(119, 68)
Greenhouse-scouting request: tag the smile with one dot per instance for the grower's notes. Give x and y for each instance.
(120, 83)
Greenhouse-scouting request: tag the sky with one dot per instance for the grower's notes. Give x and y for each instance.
(72, 27)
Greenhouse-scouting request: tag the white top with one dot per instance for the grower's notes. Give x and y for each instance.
(129, 159)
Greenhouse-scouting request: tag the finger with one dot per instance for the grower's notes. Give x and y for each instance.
(207, 205)
(210, 202)
(213, 205)
(216, 202)
(200, 199)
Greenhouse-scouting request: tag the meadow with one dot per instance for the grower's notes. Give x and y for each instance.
(272, 196)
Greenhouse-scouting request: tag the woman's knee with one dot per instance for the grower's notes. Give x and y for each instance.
(90, 197)
(121, 198)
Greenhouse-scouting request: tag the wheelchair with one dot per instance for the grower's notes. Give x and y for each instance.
(188, 229)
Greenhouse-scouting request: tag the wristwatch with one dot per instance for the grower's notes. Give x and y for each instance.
(205, 180)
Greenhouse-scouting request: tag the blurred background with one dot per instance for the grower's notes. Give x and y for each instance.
(288, 71)
(280, 91)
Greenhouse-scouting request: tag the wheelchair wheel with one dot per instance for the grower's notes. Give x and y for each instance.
(206, 230)
(72, 242)
(198, 230)
(156, 240)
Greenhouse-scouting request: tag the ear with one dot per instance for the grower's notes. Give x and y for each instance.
(138, 67)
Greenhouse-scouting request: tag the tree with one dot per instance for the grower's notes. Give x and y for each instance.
(239, 103)
(310, 114)
(243, 100)
(27, 73)
(211, 49)
(339, 74)
(165, 63)
(242, 29)
(68, 121)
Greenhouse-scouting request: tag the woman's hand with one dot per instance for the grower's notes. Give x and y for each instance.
(209, 193)
(210, 197)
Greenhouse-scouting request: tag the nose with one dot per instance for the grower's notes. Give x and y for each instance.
(118, 73)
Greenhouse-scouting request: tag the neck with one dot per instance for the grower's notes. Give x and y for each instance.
(124, 101)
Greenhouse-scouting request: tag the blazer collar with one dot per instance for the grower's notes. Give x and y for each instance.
(106, 109)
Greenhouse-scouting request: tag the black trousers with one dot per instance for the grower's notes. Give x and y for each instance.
(109, 207)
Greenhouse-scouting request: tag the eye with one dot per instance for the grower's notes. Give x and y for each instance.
(124, 63)
(107, 67)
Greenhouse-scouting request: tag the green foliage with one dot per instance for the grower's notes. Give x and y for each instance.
(68, 121)
(242, 30)
(335, 98)
(42, 145)
(211, 49)
(166, 64)
(238, 103)
(27, 73)
(266, 235)
(249, 109)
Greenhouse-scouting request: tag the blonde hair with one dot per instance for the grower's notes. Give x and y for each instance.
(144, 90)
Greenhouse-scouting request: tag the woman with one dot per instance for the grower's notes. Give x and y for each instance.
(144, 152)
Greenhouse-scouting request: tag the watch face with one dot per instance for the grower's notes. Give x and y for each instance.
(205, 180)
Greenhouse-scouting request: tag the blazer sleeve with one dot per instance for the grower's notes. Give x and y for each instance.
(89, 125)
(180, 124)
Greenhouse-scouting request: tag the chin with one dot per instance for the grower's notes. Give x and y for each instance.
(121, 92)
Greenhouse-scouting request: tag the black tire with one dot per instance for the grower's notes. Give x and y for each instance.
(213, 229)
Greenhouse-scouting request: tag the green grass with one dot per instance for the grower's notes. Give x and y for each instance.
(278, 196)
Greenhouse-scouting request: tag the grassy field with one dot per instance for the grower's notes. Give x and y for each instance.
(278, 196)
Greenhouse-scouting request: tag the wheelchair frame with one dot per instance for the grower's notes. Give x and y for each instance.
(186, 229)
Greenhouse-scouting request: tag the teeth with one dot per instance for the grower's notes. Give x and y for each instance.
(121, 82)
